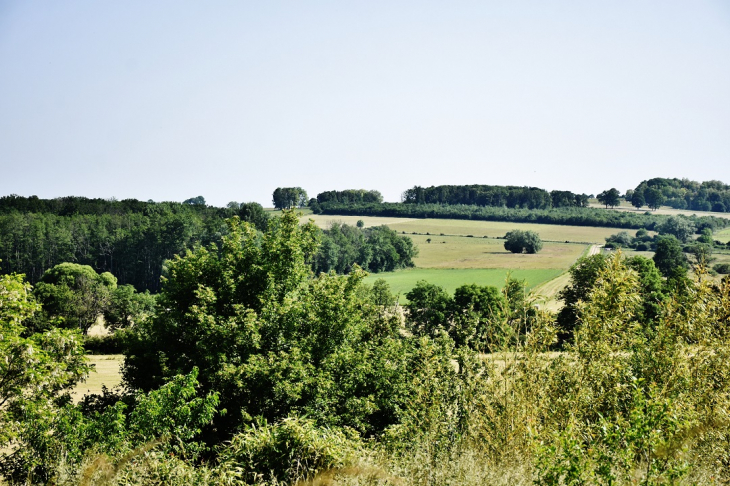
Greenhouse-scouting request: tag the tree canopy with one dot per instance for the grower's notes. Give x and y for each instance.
(611, 197)
(289, 197)
(519, 241)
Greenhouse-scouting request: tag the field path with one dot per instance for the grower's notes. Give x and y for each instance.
(549, 290)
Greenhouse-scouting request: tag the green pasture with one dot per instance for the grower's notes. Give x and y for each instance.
(404, 280)
(723, 235)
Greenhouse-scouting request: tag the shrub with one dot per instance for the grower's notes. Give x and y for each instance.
(292, 450)
(723, 268)
(109, 344)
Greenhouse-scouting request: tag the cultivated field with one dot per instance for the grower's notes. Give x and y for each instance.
(464, 252)
(550, 232)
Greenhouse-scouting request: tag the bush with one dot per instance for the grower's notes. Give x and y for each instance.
(292, 450)
(723, 268)
(109, 344)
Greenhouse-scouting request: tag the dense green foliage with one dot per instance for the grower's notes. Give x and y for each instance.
(683, 194)
(375, 249)
(289, 197)
(130, 238)
(566, 216)
(610, 197)
(518, 241)
(272, 340)
(350, 196)
(584, 275)
(471, 317)
(494, 196)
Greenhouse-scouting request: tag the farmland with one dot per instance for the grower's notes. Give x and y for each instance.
(548, 232)
(458, 252)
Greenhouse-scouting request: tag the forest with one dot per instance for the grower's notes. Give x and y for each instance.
(132, 239)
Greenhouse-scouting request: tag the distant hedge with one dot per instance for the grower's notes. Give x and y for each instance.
(564, 216)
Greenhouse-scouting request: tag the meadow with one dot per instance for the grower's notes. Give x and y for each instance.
(457, 252)
(404, 280)
(723, 235)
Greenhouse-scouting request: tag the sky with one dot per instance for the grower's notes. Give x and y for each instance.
(168, 100)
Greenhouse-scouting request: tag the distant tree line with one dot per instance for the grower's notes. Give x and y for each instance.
(681, 194)
(567, 216)
(130, 238)
(350, 196)
(494, 196)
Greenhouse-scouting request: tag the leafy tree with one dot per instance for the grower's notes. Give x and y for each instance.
(654, 198)
(583, 276)
(475, 310)
(255, 214)
(381, 294)
(622, 239)
(289, 197)
(127, 306)
(429, 308)
(272, 340)
(702, 253)
(518, 241)
(610, 197)
(651, 288)
(76, 294)
(197, 201)
(668, 257)
(679, 227)
(637, 199)
(375, 249)
(360, 223)
(706, 237)
(36, 369)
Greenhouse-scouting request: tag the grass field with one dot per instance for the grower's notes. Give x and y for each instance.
(404, 280)
(107, 373)
(723, 235)
(552, 232)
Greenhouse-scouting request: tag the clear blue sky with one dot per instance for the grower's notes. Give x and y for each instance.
(166, 100)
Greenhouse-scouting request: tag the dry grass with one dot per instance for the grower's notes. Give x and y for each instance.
(460, 252)
(552, 232)
(108, 373)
